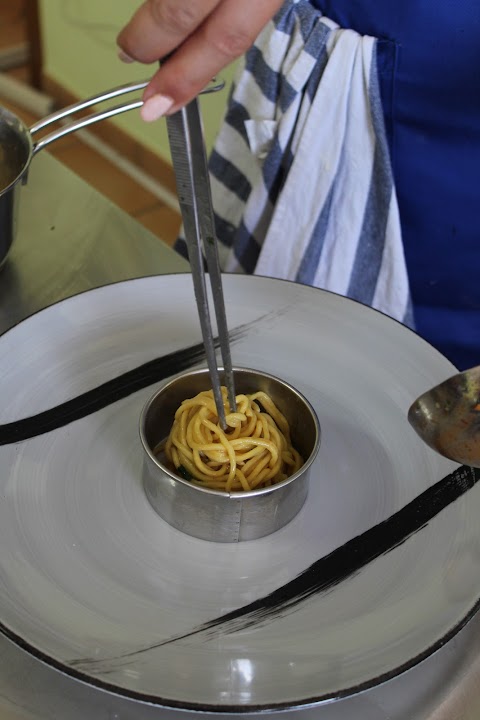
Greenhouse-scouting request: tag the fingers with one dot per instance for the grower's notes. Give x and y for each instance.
(159, 26)
(225, 30)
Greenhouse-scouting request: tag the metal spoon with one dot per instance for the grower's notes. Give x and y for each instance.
(447, 417)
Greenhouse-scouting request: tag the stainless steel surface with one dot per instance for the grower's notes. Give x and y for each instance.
(447, 417)
(71, 239)
(98, 116)
(193, 187)
(16, 149)
(88, 102)
(212, 514)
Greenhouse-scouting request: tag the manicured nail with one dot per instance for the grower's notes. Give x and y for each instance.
(155, 107)
(124, 57)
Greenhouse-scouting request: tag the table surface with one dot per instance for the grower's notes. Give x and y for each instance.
(71, 239)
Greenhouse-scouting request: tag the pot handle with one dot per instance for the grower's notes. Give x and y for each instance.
(83, 122)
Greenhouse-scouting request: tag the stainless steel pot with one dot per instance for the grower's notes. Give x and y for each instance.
(18, 147)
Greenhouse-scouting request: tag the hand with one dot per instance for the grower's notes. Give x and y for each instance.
(202, 36)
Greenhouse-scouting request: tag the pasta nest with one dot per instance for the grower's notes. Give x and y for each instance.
(254, 451)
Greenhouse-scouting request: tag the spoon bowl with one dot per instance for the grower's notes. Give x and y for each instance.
(447, 417)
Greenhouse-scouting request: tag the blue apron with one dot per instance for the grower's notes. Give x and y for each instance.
(429, 71)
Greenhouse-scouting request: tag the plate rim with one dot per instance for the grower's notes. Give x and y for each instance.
(312, 288)
(261, 708)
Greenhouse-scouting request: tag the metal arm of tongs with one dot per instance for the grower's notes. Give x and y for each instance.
(193, 186)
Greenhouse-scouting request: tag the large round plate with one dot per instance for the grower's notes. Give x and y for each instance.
(377, 571)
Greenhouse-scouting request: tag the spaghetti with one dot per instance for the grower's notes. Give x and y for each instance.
(255, 451)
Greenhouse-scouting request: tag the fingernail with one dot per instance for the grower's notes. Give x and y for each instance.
(155, 107)
(124, 57)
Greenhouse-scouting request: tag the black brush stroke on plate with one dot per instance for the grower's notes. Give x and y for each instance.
(110, 391)
(327, 572)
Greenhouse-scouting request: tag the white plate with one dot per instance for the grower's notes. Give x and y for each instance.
(93, 582)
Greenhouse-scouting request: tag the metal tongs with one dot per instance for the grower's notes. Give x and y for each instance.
(189, 158)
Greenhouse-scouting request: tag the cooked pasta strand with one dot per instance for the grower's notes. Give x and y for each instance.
(255, 451)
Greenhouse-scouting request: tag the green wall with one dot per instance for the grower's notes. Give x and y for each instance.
(80, 54)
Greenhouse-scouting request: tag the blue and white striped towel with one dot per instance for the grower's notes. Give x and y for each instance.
(301, 178)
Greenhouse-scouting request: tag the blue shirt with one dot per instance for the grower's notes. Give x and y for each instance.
(429, 71)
